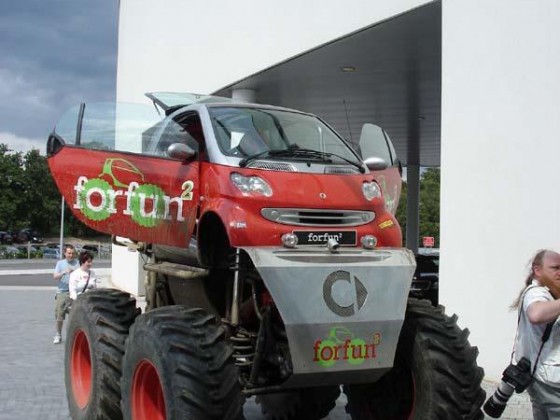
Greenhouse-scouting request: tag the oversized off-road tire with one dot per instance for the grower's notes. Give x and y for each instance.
(97, 330)
(178, 365)
(435, 375)
(305, 404)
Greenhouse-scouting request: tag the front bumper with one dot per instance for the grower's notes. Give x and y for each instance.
(342, 311)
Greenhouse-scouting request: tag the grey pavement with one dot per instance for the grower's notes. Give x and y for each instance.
(32, 371)
(31, 367)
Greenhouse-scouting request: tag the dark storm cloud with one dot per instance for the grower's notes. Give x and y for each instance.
(53, 54)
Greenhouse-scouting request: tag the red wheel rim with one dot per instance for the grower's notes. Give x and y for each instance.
(80, 369)
(147, 393)
(413, 405)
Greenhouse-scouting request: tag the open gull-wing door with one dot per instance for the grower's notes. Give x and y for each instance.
(99, 157)
(376, 144)
(171, 101)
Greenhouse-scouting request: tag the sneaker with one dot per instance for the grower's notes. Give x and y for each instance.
(57, 339)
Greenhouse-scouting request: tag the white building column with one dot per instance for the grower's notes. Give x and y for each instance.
(499, 143)
(244, 95)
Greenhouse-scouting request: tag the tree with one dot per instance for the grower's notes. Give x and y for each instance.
(429, 199)
(42, 199)
(401, 210)
(429, 204)
(12, 200)
(29, 196)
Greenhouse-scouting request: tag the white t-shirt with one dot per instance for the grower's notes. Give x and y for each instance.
(529, 339)
(77, 281)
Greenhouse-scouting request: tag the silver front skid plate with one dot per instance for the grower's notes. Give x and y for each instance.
(343, 311)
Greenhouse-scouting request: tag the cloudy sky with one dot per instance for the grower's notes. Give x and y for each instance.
(53, 54)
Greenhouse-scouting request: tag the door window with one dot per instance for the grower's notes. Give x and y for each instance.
(116, 187)
(185, 129)
(374, 142)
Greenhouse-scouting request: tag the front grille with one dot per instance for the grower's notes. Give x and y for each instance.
(272, 166)
(341, 170)
(318, 217)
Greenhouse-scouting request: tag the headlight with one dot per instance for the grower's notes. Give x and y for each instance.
(251, 185)
(371, 190)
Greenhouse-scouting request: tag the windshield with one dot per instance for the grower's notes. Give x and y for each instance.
(246, 132)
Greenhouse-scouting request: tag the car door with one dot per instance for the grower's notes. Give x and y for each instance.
(375, 142)
(100, 157)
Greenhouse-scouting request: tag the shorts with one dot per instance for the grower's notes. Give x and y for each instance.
(545, 400)
(59, 300)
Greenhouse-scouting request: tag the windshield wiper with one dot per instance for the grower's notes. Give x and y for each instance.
(351, 162)
(292, 152)
(301, 154)
(245, 161)
(316, 153)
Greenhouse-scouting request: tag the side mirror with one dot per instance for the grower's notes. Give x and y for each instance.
(54, 144)
(180, 151)
(375, 163)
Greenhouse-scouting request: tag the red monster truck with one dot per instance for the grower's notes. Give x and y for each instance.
(275, 268)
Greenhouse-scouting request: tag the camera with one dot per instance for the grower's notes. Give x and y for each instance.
(515, 377)
(66, 306)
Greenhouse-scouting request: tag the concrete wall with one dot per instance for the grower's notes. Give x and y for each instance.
(500, 120)
(500, 148)
(190, 46)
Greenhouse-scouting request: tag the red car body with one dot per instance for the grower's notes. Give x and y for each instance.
(159, 199)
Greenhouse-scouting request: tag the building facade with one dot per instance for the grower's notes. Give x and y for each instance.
(468, 86)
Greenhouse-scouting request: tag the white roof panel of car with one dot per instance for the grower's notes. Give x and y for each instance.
(172, 99)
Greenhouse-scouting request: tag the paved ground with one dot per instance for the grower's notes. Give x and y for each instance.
(32, 373)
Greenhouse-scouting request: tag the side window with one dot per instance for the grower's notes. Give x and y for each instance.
(193, 128)
(185, 129)
(391, 149)
(115, 126)
(108, 126)
(374, 142)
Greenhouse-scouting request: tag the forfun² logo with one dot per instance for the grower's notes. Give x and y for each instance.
(342, 345)
(322, 238)
(146, 204)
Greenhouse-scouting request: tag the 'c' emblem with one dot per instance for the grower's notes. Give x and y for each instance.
(323, 195)
(360, 297)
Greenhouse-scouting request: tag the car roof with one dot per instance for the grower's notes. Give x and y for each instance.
(168, 100)
(172, 101)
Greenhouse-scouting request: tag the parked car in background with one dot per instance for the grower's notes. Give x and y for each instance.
(94, 249)
(6, 237)
(30, 235)
(425, 283)
(51, 253)
(26, 251)
(9, 252)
